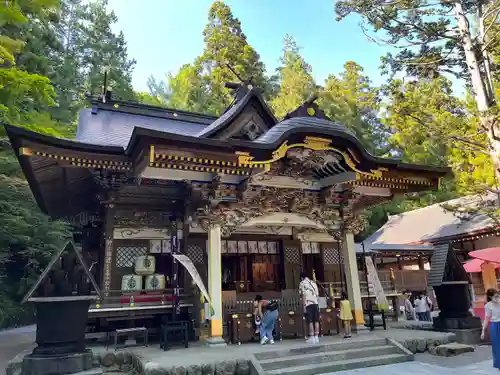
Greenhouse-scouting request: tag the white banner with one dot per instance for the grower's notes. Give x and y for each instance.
(189, 266)
(375, 285)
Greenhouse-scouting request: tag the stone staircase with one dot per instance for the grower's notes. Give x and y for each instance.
(327, 358)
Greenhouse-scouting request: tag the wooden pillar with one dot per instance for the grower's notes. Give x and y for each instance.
(215, 285)
(108, 247)
(352, 277)
(421, 262)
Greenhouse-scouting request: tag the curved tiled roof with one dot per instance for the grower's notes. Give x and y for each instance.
(304, 123)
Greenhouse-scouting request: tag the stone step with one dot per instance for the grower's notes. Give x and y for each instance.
(331, 356)
(93, 371)
(348, 364)
(321, 348)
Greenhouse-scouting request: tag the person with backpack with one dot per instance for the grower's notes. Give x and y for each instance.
(267, 313)
(430, 307)
(309, 293)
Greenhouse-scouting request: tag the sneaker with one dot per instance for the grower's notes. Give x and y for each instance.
(316, 339)
(311, 340)
(264, 340)
(271, 341)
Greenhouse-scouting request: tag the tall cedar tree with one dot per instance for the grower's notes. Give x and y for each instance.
(102, 49)
(351, 100)
(200, 86)
(296, 84)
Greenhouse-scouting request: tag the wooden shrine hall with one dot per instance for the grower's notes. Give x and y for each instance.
(249, 199)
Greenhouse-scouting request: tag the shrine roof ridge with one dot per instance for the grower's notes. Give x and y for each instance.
(234, 110)
(135, 108)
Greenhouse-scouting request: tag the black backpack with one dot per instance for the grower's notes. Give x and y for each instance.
(272, 305)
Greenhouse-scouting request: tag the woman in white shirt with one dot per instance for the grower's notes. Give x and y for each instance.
(492, 314)
(420, 308)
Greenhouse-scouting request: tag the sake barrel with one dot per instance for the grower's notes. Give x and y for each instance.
(154, 282)
(131, 282)
(145, 265)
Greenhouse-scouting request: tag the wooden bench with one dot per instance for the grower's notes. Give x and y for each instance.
(127, 331)
(173, 327)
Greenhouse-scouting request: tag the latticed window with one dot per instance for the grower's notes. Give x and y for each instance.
(127, 254)
(332, 255)
(195, 253)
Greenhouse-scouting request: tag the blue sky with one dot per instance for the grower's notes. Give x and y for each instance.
(164, 34)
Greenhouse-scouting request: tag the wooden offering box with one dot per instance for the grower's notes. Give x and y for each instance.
(329, 322)
(292, 324)
(242, 328)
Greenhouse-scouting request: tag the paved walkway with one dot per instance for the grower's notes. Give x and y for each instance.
(420, 368)
(476, 363)
(13, 341)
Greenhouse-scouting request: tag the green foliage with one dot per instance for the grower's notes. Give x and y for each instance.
(432, 126)
(101, 49)
(187, 90)
(27, 237)
(296, 84)
(200, 86)
(424, 32)
(351, 100)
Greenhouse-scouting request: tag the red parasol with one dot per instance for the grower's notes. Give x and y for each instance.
(491, 254)
(475, 265)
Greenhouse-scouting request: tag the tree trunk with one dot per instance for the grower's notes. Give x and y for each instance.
(480, 87)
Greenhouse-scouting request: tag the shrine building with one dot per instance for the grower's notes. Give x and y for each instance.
(249, 199)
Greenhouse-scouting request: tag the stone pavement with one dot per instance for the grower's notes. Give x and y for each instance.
(13, 341)
(420, 368)
(197, 353)
(476, 363)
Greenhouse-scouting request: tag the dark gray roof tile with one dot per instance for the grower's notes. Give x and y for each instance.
(281, 128)
(110, 128)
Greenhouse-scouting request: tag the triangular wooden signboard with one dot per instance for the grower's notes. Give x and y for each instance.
(65, 270)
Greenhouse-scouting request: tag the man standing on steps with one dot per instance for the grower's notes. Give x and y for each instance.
(308, 291)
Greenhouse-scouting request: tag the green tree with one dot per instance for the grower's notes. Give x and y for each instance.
(432, 126)
(296, 84)
(436, 37)
(200, 86)
(27, 237)
(226, 44)
(429, 125)
(351, 100)
(68, 78)
(187, 90)
(22, 94)
(103, 49)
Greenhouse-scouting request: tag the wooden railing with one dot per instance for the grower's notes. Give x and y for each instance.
(146, 297)
(243, 303)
